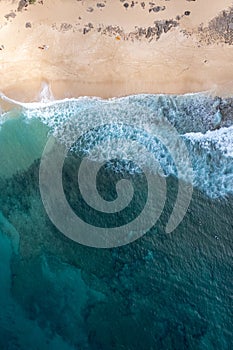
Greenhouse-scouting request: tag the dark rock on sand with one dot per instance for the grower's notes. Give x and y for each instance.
(157, 8)
(22, 4)
(65, 27)
(86, 30)
(149, 33)
(10, 15)
(100, 4)
(220, 29)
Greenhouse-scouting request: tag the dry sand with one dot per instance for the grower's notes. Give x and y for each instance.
(105, 49)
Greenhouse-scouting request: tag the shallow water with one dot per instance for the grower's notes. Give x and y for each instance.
(162, 291)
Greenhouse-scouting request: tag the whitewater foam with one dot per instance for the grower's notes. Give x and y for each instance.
(204, 123)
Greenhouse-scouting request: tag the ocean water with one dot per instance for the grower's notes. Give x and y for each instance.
(165, 281)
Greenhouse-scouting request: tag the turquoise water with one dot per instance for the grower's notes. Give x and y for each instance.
(162, 291)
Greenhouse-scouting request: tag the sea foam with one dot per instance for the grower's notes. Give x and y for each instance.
(204, 123)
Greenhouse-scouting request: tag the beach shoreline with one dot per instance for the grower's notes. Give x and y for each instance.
(80, 49)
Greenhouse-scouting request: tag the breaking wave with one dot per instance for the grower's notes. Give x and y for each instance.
(203, 122)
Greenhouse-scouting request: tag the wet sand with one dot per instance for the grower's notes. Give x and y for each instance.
(107, 49)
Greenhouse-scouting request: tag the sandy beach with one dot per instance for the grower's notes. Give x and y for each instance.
(115, 48)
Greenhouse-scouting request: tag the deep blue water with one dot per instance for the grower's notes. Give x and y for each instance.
(160, 291)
